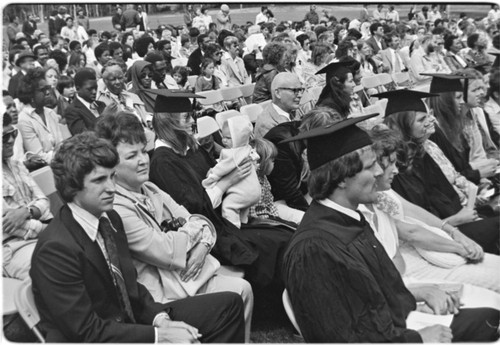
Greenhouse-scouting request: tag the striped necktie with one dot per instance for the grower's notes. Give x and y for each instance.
(106, 232)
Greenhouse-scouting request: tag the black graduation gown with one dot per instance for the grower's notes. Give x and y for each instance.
(426, 186)
(459, 159)
(258, 249)
(344, 288)
(342, 285)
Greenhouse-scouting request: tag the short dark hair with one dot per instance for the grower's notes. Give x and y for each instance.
(29, 84)
(301, 39)
(114, 46)
(122, 127)
(448, 41)
(38, 48)
(74, 44)
(76, 157)
(60, 57)
(64, 82)
(162, 43)
(200, 39)
(325, 179)
(374, 27)
(100, 49)
(142, 44)
(472, 40)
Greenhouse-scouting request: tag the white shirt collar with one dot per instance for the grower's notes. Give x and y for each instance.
(281, 111)
(84, 102)
(348, 212)
(87, 221)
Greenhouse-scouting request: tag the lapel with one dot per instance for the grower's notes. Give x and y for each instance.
(85, 111)
(235, 69)
(35, 117)
(91, 249)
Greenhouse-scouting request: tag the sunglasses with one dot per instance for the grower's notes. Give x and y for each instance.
(11, 134)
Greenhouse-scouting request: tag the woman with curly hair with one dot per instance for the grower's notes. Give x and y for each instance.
(273, 63)
(40, 126)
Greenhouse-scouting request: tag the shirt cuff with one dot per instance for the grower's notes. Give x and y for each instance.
(215, 195)
(157, 317)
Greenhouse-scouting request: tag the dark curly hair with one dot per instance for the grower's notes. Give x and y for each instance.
(29, 84)
(76, 157)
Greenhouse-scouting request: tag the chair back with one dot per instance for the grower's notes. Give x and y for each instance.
(289, 311)
(252, 111)
(211, 97)
(44, 178)
(10, 288)
(231, 94)
(192, 80)
(25, 303)
(179, 62)
(225, 115)
(206, 126)
(247, 92)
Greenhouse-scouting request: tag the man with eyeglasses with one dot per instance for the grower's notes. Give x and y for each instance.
(286, 92)
(25, 208)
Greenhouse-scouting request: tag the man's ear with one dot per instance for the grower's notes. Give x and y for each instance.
(342, 184)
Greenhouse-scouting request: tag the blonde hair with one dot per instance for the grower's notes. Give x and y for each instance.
(267, 152)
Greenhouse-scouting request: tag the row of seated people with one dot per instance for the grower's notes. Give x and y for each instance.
(177, 167)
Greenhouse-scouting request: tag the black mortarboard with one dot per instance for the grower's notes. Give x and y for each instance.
(446, 82)
(326, 143)
(404, 100)
(172, 101)
(496, 63)
(335, 69)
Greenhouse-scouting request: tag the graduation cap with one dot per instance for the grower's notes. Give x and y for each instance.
(336, 69)
(326, 143)
(172, 101)
(404, 100)
(496, 63)
(446, 82)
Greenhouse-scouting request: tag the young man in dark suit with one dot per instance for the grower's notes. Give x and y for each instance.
(83, 113)
(84, 282)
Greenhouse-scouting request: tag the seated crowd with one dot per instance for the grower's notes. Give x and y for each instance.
(374, 208)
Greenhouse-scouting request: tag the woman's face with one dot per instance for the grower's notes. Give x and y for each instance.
(118, 54)
(423, 126)
(384, 181)
(51, 77)
(146, 77)
(133, 169)
(459, 99)
(130, 41)
(186, 122)
(349, 84)
(41, 96)
(366, 50)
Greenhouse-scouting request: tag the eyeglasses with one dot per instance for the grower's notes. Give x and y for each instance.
(296, 91)
(6, 136)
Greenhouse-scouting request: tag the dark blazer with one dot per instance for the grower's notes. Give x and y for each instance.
(79, 118)
(74, 290)
(373, 44)
(285, 177)
(194, 61)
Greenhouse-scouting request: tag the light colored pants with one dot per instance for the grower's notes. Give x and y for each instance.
(17, 258)
(220, 283)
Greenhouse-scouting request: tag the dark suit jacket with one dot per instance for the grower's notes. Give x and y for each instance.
(79, 118)
(14, 84)
(74, 290)
(194, 61)
(373, 44)
(285, 177)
